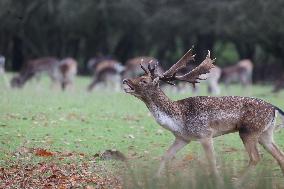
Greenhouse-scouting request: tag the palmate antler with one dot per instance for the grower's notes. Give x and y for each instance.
(191, 77)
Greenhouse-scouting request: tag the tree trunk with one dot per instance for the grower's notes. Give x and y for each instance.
(205, 42)
(17, 54)
(245, 51)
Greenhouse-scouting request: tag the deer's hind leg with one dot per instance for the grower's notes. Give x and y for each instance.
(266, 140)
(250, 141)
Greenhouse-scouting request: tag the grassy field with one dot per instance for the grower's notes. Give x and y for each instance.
(89, 123)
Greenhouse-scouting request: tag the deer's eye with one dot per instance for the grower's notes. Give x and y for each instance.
(144, 82)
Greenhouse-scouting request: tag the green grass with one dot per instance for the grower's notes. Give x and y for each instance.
(82, 122)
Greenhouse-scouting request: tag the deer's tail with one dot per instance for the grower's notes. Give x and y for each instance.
(281, 113)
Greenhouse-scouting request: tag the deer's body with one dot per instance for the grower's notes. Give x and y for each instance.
(213, 81)
(240, 72)
(106, 72)
(59, 72)
(202, 118)
(37, 67)
(67, 72)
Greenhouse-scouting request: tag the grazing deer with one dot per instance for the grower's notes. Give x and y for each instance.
(202, 118)
(240, 72)
(60, 72)
(279, 85)
(67, 72)
(107, 72)
(35, 68)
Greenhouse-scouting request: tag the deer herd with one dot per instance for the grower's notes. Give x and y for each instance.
(108, 73)
(199, 118)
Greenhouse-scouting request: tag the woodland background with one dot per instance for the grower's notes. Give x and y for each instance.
(165, 29)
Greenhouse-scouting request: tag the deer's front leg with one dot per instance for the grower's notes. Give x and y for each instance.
(174, 148)
(207, 144)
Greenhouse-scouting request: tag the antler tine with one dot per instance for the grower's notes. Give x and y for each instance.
(144, 69)
(152, 70)
(180, 64)
(208, 55)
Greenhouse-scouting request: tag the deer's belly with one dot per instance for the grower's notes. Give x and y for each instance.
(223, 126)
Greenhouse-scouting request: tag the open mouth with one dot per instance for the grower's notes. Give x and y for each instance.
(127, 87)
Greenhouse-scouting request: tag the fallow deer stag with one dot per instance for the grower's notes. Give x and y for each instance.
(202, 118)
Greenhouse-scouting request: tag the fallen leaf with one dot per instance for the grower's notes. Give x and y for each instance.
(43, 153)
(189, 157)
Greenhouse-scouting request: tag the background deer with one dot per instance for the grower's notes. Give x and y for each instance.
(60, 72)
(106, 72)
(202, 118)
(279, 85)
(240, 72)
(36, 67)
(2, 64)
(67, 72)
(2, 70)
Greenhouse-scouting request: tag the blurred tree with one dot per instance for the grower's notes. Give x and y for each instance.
(126, 28)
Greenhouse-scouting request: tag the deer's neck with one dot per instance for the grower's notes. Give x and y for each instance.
(158, 99)
(165, 111)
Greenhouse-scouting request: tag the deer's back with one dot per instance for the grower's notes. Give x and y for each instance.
(42, 64)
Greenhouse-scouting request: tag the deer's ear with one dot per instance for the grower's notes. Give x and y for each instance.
(156, 80)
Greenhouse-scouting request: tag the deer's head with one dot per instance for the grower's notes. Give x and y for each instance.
(149, 82)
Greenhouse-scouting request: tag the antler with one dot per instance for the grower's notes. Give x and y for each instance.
(180, 64)
(194, 75)
(144, 69)
(150, 71)
(191, 77)
(203, 68)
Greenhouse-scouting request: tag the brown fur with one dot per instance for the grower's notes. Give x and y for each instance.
(107, 72)
(35, 68)
(68, 71)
